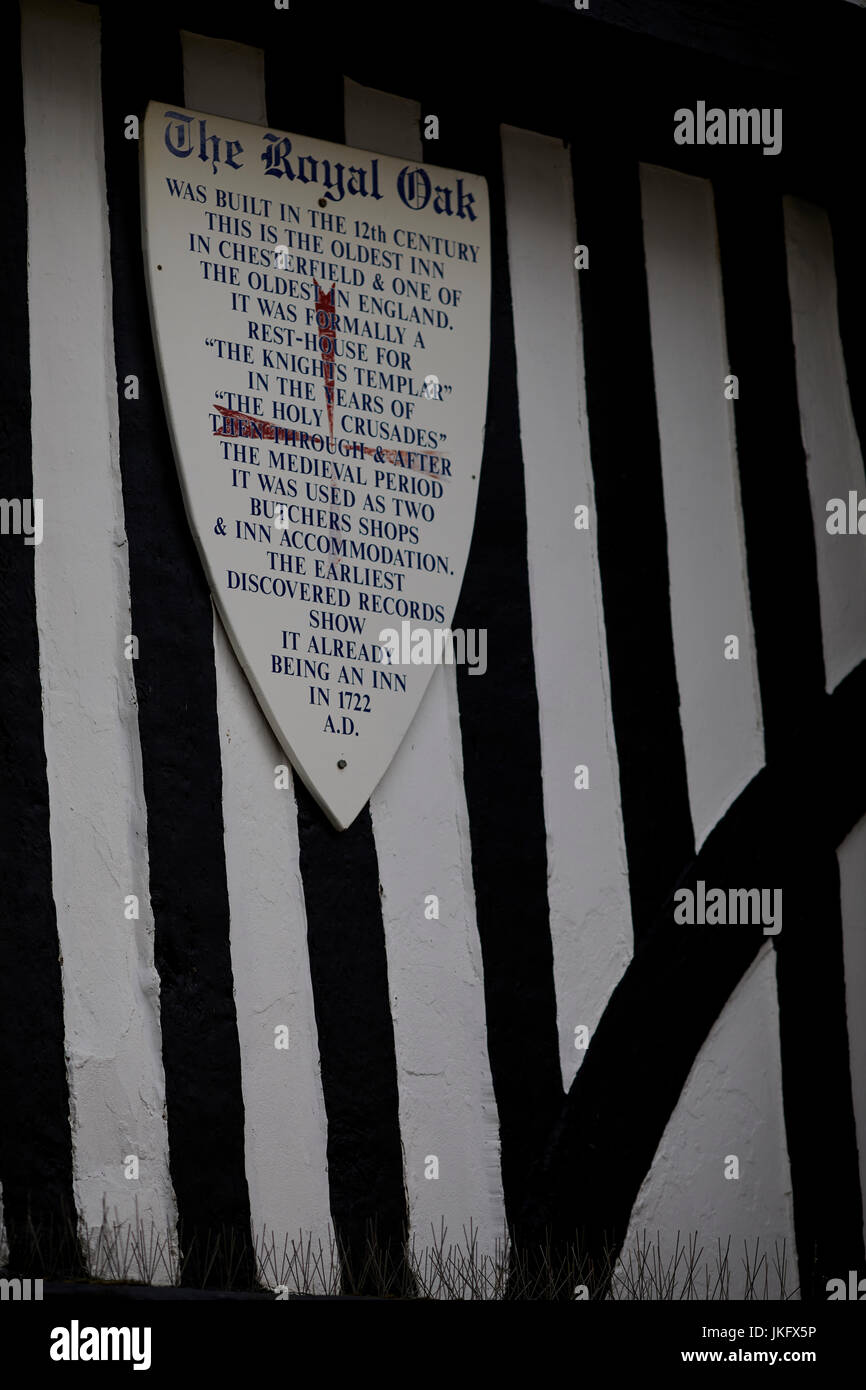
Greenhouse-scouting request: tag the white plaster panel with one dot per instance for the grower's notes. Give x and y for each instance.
(590, 911)
(731, 1104)
(833, 458)
(97, 808)
(720, 708)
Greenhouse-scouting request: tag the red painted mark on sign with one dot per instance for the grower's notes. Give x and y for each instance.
(236, 425)
(326, 321)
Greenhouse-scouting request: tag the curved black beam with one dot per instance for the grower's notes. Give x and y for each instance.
(781, 832)
(785, 607)
(657, 1018)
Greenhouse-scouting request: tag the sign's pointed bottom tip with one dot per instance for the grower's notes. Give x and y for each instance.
(342, 815)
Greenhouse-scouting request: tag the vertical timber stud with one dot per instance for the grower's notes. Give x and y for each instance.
(35, 1139)
(499, 718)
(632, 531)
(176, 687)
(356, 1044)
(345, 932)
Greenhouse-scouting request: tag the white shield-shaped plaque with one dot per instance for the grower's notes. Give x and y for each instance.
(322, 319)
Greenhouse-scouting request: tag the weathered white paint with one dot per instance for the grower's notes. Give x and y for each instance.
(285, 1127)
(285, 1124)
(97, 809)
(447, 1106)
(731, 1104)
(720, 708)
(852, 874)
(590, 912)
(224, 77)
(379, 121)
(420, 822)
(833, 457)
